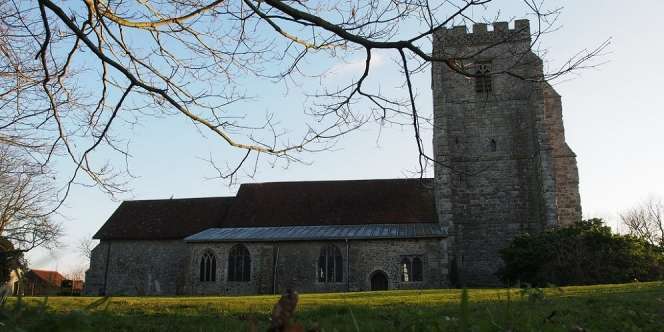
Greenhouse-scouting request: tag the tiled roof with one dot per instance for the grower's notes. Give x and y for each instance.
(163, 219)
(51, 277)
(352, 202)
(309, 233)
(275, 204)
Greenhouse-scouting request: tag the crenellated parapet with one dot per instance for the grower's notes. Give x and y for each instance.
(500, 32)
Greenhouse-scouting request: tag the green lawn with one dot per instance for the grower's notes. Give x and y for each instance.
(624, 307)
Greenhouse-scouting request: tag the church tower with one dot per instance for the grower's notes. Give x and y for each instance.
(502, 164)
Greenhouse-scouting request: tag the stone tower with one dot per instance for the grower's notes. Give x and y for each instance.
(502, 164)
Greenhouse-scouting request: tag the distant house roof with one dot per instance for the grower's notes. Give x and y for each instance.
(163, 219)
(328, 232)
(53, 278)
(276, 204)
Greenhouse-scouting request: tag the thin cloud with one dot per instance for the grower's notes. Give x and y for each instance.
(356, 66)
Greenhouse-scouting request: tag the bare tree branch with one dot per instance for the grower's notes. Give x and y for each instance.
(646, 221)
(74, 74)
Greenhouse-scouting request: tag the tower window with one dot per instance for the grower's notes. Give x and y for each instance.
(493, 146)
(483, 77)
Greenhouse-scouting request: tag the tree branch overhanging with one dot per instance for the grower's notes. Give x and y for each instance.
(191, 59)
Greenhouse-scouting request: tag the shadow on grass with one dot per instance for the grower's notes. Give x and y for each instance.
(603, 309)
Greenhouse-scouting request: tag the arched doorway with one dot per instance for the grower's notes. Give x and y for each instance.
(378, 281)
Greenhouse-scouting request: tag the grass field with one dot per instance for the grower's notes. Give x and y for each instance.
(624, 307)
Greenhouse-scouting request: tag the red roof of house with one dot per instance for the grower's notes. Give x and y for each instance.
(51, 277)
(350, 202)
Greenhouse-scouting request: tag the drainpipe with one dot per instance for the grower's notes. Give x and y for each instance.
(347, 266)
(274, 269)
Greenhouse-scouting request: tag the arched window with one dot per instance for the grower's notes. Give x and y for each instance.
(493, 146)
(406, 269)
(483, 77)
(330, 264)
(239, 264)
(417, 269)
(208, 267)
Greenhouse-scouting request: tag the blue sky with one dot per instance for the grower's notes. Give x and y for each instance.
(613, 118)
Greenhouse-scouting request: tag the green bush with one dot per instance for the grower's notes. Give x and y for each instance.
(582, 254)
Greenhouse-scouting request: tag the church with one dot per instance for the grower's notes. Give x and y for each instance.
(502, 168)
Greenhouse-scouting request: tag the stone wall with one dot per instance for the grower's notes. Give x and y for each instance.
(137, 268)
(261, 270)
(296, 266)
(568, 200)
(496, 151)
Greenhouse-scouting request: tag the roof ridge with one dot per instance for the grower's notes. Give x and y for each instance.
(274, 182)
(41, 270)
(175, 199)
(327, 225)
(337, 181)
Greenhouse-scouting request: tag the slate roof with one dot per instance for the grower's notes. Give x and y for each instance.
(328, 232)
(164, 219)
(277, 204)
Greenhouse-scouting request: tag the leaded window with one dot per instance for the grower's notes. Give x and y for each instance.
(239, 264)
(417, 269)
(406, 269)
(208, 267)
(411, 268)
(483, 77)
(330, 264)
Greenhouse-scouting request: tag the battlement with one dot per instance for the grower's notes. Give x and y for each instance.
(501, 32)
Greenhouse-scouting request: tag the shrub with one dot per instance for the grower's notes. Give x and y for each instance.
(584, 253)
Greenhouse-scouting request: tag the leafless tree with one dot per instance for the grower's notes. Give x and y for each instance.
(26, 198)
(85, 246)
(646, 221)
(76, 273)
(73, 71)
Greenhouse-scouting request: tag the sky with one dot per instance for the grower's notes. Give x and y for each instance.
(613, 117)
